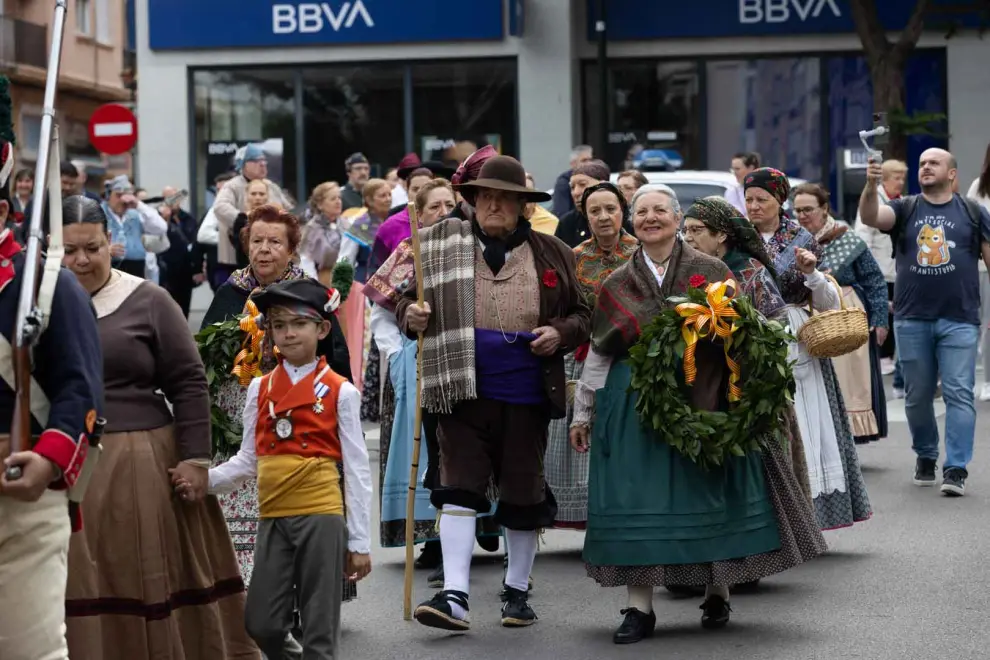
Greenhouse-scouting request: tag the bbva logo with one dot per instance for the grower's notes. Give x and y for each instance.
(309, 17)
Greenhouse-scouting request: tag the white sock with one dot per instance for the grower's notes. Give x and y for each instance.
(641, 598)
(521, 547)
(457, 531)
(713, 590)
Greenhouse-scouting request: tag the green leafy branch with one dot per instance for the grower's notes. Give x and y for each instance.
(218, 345)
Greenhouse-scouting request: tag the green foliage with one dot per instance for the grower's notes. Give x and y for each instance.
(218, 345)
(931, 124)
(707, 438)
(342, 279)
(6, 112)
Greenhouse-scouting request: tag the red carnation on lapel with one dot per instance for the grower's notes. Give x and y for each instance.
(697, 281)
(550, 278)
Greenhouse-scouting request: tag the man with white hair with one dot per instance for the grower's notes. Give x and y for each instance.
(562, 201)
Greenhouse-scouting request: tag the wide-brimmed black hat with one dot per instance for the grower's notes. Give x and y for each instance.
(438, 169)
(505, 173)
(307, 291)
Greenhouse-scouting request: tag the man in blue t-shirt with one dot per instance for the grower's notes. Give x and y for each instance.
(938, 239)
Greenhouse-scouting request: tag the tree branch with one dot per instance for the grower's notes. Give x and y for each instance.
(870, 30)
(913, 29)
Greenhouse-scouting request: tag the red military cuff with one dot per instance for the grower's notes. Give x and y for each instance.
(60, 449)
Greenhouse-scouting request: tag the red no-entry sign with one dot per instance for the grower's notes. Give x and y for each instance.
(113, 129)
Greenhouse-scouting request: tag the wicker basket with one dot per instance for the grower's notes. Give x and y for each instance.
(836, 332)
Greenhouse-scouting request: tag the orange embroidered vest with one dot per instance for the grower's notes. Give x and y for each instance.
(298, 444)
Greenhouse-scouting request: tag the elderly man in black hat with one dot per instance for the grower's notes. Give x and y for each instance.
(502, 308)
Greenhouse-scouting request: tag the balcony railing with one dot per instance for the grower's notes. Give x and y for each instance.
(23, 43)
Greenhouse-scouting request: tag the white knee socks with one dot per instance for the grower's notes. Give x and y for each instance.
(641, 598)
(521, 547)
(457, 530)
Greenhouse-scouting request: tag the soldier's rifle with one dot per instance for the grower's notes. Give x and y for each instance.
(31, 319)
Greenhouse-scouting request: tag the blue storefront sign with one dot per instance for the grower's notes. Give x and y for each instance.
(638, 19)
(201, 24)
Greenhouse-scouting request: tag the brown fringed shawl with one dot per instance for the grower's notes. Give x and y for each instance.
(630, 297)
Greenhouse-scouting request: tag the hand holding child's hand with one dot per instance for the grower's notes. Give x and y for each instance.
(358, 566)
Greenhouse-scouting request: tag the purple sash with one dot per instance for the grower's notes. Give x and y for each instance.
(506, 372)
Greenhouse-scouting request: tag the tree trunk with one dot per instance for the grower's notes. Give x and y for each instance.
(887, 73)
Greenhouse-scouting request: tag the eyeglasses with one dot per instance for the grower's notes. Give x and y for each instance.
(807, 210)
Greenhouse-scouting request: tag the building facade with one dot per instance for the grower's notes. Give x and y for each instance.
(93, 51)
(319, 80)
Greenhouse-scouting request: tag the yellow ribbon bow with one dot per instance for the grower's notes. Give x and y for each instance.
(709, 321)
(247, 364)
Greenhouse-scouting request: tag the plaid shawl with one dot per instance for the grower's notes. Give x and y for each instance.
(448, 249)
(630, 297)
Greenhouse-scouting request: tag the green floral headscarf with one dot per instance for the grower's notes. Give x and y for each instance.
(719, 215)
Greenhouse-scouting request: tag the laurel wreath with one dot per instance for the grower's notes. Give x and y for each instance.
(710, 438)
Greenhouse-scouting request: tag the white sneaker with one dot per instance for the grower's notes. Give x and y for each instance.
(985, 392)
(899, 393)
(887, 366)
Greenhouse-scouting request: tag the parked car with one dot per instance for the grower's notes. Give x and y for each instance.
(691, 185)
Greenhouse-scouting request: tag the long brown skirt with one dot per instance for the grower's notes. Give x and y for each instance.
(151, 577)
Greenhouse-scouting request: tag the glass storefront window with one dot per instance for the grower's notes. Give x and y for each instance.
(460, 102)
(238, 106)
(348, 109)
(654, 119)
(770, 106)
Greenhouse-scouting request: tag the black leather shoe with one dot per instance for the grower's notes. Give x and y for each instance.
(636, 627)
(715, 613)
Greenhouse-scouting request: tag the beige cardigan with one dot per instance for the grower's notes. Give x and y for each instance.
(229, 203)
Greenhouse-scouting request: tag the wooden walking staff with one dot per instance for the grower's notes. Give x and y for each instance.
(418, 424)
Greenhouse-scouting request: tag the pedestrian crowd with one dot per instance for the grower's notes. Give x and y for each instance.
(601, 359)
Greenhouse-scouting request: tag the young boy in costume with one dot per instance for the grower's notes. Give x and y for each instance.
(300, 421)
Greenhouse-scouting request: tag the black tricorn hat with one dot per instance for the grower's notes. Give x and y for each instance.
(306, 291)
(505, 173)
(438, 169)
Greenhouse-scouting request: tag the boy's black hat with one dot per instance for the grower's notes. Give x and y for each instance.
(306, 291)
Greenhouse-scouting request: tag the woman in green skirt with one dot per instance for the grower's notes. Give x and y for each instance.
(655, 516)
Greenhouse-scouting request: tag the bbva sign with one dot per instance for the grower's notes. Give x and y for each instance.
(311, 17)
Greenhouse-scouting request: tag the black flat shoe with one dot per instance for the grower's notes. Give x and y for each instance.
(715, 613)
(437, 612)
(636, 627)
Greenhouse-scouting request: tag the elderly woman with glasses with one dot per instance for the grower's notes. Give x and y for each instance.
(848, 259)
(610, 246)
(837, 484)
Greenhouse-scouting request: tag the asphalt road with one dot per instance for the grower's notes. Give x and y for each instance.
(906, 585)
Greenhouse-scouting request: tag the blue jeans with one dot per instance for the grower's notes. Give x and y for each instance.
(928, 349)
(898, 371)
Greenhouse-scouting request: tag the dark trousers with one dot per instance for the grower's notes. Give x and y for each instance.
(309, 552)
(181, 292)
(221, 274)
(133, 267)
